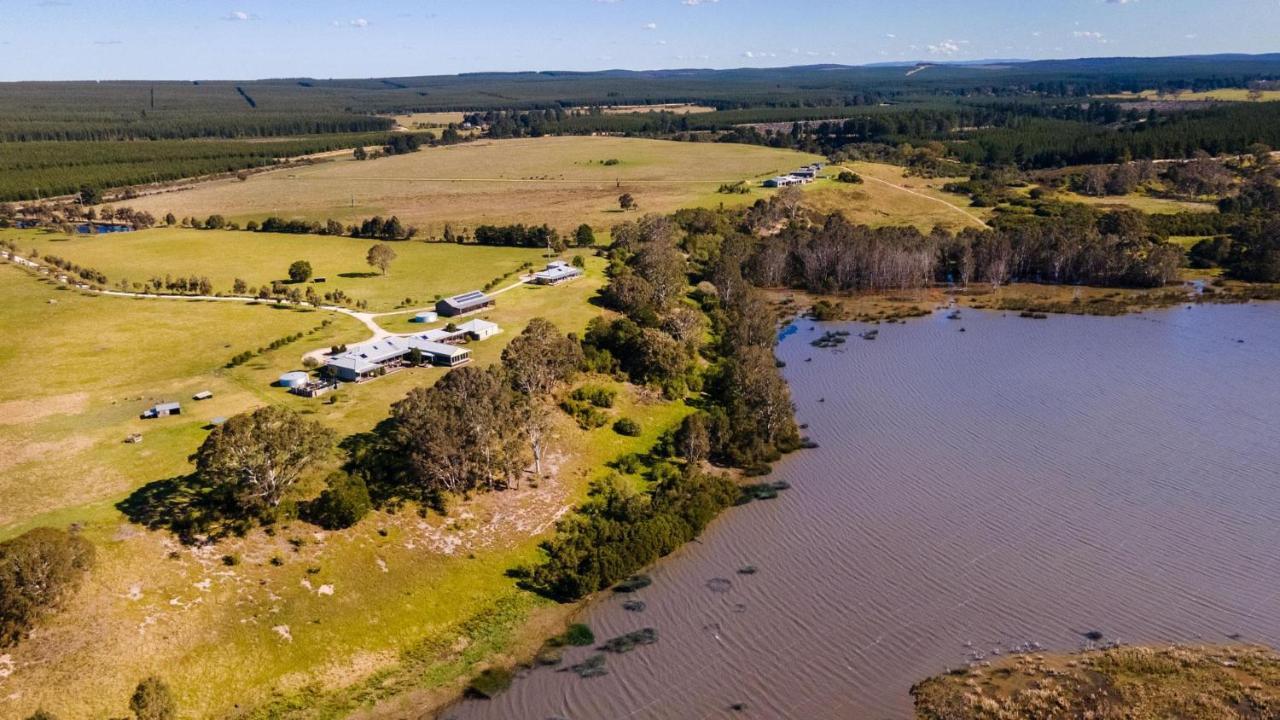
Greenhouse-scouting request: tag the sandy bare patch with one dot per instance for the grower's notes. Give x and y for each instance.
(14, 453)
(18, 412)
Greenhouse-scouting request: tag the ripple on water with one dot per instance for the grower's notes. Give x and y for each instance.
(1017, 486)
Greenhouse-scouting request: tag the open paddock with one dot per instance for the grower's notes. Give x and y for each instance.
(421, 270)
(561, 181)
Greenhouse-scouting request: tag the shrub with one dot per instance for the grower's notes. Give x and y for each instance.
(587, 416)
(39, 570)
(618, 532)
(153, 700)
(343, 503)
(300, 271)
(848, 176)
(577, 635)
(490, 683)
(627, 426)
(42, 714)
(598, 395)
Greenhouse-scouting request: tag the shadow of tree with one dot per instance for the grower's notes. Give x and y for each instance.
(358, 275)
(183, 505)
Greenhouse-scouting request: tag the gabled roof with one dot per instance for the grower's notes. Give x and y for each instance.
(475, 298)
(478, 326)
(557, 272)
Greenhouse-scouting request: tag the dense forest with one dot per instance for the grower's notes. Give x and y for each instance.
(1035, 114)
(35, 170)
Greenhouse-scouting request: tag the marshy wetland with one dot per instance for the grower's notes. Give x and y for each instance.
(1025, 484)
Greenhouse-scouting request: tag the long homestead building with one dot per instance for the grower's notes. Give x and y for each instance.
(464, 304)
(361, 362)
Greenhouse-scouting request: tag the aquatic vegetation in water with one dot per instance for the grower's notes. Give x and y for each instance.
(633, 583)
(591, 667)
(630, 641)
(720, 585)
(830, 339)
(490, 683)
(762, 491)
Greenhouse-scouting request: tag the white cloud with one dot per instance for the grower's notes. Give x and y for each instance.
(359, 23)
(238, 16)
(891, 36)
(651, 26)
(691, 3)
(946, 47)
(1089, 35)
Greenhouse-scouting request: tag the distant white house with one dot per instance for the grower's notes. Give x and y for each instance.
(556, 272)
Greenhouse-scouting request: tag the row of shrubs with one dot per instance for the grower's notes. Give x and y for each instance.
(244, 357)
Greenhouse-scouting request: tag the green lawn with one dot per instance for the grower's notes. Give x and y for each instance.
(420, 272)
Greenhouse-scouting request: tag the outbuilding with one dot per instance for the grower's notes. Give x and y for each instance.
(464, 304)
(426, 317)
(480, 329)
(202, 395)
(162, 410)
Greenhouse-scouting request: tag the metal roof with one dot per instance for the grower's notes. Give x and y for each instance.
(557, 272)
(468, 299)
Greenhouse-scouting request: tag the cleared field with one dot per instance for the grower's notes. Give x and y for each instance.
(421, 272)
(429, 119)
(342, 619)
(562, 181)
(1145, 203)
(677, 108)
(1221, 95)
(888, 197)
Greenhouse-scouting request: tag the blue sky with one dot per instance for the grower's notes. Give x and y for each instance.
(245, 39)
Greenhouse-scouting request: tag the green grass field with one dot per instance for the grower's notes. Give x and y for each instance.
(421, 271)
(561, 181)
(346, 619)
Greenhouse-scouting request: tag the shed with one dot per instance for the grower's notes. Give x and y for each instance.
(426, 317)
(464, 304)
(162, 410)
(480, 329)
(202, 395)
(294, 379)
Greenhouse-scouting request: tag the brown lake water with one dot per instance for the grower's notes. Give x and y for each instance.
(1022, 482)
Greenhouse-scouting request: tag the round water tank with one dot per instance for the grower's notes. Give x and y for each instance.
(294, 379)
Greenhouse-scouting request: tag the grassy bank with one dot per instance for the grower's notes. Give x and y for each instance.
(1194, 683)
